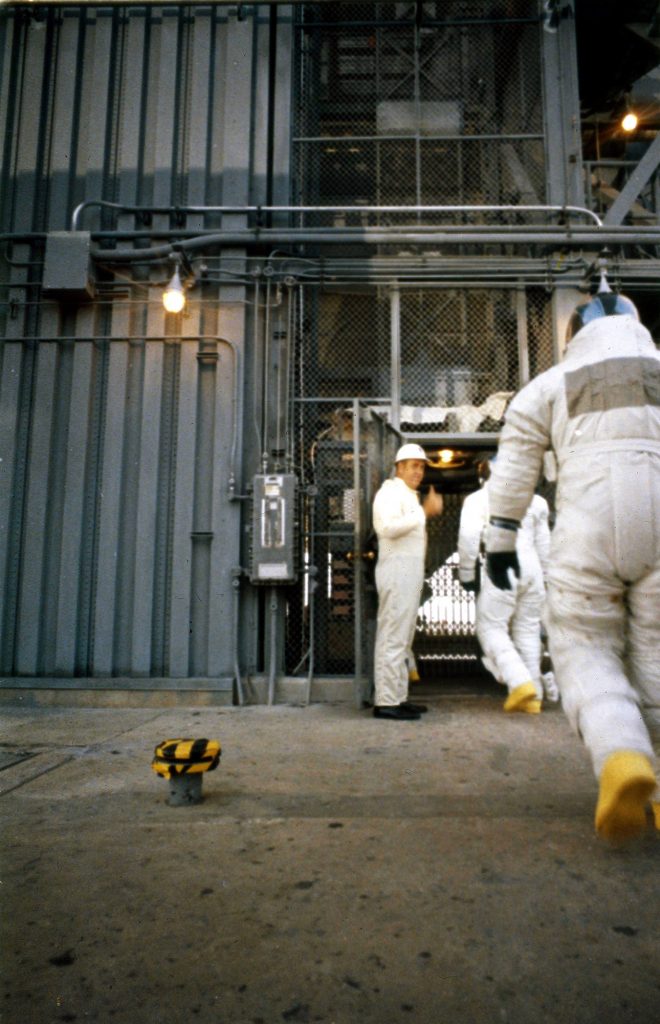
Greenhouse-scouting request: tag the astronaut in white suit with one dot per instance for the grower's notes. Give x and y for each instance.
(508, 622)
(599, 412)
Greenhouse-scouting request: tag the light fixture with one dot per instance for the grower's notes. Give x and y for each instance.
(174, 296)
(628, 119)
(444, 459)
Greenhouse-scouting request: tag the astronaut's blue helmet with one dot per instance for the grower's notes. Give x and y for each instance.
(604, 303)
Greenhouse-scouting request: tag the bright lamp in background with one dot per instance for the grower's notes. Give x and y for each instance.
(629, 121)
(174, 296)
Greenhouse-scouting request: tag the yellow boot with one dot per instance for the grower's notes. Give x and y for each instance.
(523, 698)
(626, 783)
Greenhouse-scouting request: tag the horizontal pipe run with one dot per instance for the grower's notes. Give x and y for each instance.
(621, 235)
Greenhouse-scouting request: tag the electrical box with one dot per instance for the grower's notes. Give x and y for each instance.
(274, 499)
(68, 272)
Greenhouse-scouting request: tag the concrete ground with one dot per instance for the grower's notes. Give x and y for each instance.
(340, 869)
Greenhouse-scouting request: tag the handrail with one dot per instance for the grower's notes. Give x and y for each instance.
(430, 208)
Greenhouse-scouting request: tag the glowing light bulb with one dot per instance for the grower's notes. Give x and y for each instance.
(174, 296)
(629, 122)
(446, 455)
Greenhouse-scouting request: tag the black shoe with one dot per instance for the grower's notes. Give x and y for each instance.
(398, 712)
(421, 709)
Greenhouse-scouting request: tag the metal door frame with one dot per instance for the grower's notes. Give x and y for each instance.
(369, 453)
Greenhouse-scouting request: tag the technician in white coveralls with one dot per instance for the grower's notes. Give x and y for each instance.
(599, 411)
(508, 622)
(400, 524)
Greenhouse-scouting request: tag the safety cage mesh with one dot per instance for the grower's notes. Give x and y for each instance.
(462, 354)
(404, 105)
(417, 104)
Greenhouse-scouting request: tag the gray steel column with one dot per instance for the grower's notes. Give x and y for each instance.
(563, 147)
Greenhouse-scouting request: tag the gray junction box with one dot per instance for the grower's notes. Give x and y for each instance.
(68, 271)
(274, 528)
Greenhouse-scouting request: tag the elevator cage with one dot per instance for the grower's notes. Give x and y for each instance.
(461, 354)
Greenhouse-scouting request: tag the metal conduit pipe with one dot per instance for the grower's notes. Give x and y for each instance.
(202, 526)
(459, 235)
(236, 584)
(312, 584)
(273, 645)
(414, 209)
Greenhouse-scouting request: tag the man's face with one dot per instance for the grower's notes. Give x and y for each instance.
(411, 472)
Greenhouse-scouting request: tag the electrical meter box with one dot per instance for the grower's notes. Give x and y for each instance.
(274, 528)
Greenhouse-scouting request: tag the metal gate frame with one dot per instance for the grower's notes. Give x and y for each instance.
(375, 443)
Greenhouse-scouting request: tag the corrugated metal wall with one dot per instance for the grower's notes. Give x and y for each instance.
(121, 426)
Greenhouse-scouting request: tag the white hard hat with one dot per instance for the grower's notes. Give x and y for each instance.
(411, 451)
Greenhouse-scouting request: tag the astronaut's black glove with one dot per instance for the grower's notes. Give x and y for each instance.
(502, 563)
(501, 566)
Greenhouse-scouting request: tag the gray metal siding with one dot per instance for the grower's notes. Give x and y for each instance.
(120, 427)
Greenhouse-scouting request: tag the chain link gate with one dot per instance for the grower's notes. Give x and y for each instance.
(346, 452)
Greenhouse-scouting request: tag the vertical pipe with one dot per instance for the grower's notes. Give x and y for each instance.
(358, 570)
(418, 110)
(523, 341)
(236, 584)
(395, 354)
(312, 584)
(164, 525)
(272, 666)
(202, 532)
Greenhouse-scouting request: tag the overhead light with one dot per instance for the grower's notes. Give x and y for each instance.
(630, 121)
(445, 457)
(174, 296)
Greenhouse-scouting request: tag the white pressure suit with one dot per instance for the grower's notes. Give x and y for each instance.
(508, 622)
(400, 524)
(599, 411)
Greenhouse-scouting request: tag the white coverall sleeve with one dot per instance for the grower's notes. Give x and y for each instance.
(525, 438)
(470, 530)
(391, 518)
(542, 534)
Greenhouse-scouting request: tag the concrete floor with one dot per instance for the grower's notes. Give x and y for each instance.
(339, 869)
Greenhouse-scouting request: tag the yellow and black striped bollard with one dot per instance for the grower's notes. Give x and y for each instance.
(183, 762)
